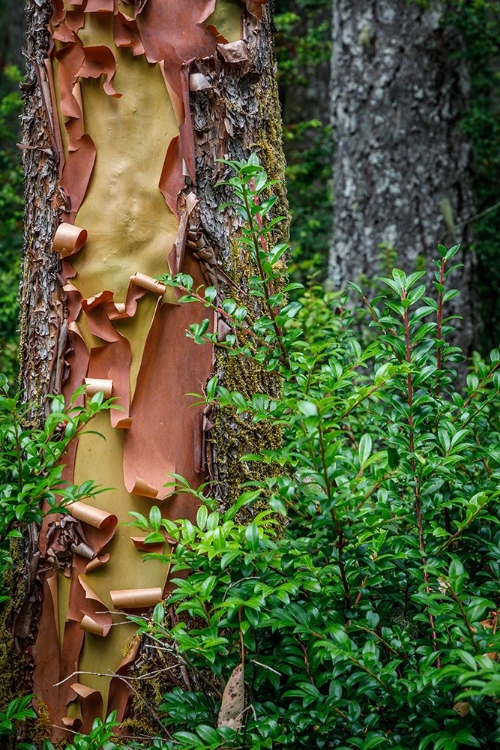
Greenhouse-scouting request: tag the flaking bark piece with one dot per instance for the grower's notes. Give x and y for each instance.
(126, 34)
(174, 31)
(77, 170)
(234, 52)
(58, 12)
(91, 704)
(233, 700)
(256, 7)
(97, 6)
(75, 20)
(99, 61)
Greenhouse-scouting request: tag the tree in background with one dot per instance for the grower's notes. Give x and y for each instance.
(13, 32)
(402, 161)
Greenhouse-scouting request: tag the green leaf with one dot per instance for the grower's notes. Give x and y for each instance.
(456, 575)
(201, 516)
(465, 737)
(252, 536)
(307, 408)
(365, 449)
(155, 518)
(158, 614)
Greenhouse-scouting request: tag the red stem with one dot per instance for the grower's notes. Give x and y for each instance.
(440, 324)
(416, 488)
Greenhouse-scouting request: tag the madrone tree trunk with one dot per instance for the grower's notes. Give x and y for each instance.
(128, 109)
(402, 162)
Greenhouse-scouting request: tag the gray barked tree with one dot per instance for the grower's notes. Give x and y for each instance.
(128, 108)
(402, 162)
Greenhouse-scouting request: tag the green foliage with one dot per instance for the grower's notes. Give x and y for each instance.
(99, 738)
(31, 486)
(371, 619)
(31, 483)
(19, 709)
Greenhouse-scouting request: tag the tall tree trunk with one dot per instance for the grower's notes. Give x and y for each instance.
(127, 113)
(402, 163)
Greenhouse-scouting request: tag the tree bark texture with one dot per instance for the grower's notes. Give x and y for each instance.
(402, 163)
(128, 108)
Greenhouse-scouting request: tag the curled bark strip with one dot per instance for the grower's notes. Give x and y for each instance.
(233, 700)
(96, 385)
(69, 239)
(142, 546)
(90, 702)
(94, 611)
(136, 598)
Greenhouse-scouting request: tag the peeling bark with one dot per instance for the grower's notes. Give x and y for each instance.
(402, 164)
(112, 326)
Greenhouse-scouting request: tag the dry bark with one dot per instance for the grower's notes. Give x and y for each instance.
(402, 163)
(42, 309)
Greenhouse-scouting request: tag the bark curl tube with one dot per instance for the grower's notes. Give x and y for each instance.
(120, 80)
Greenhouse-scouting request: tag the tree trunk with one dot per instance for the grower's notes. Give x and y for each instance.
(126, 116)
(402, 164)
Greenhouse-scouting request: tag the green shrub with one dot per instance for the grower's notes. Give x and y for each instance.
(11, 219)
(371, 620)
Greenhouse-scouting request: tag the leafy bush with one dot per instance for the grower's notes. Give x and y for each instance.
(360, 609)
(99, 738)
(370, 620)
